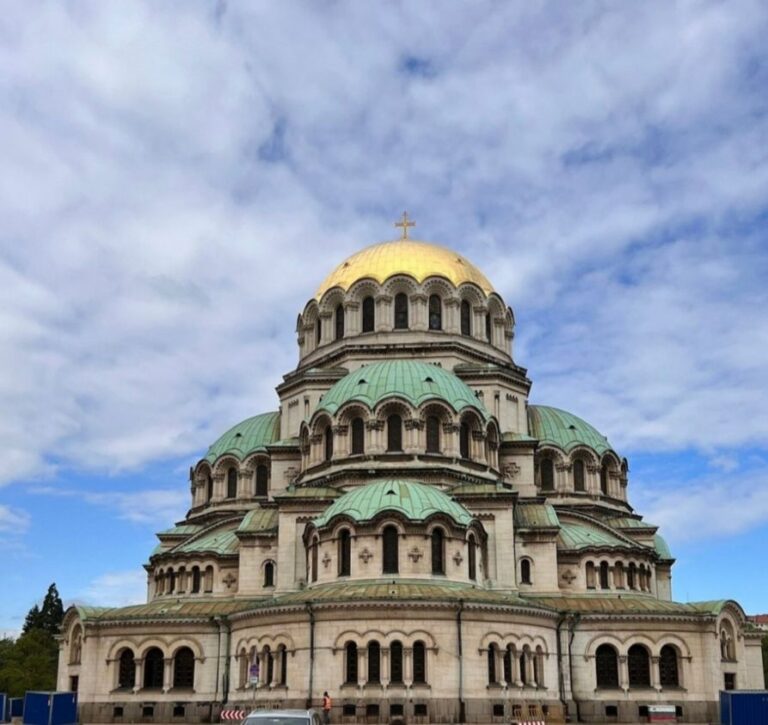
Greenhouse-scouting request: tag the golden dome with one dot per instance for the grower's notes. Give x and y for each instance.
(404, 256)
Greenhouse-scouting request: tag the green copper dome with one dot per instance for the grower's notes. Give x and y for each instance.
(564, 430)
(416, 501)
(414, 381)
(253, 434)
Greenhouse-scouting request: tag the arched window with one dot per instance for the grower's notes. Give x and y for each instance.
(283, 654)
(76, 648)
(339, 320)
(547, 474)
(369, 314)
(607, 666)
(269, 662)
(208, 487)
(525, 571)
(401, 311)
(472, 557)
(668, 672)
(184, 668)
(538, 666)
(269, 574)
(435, 312)
(524, 666)
(153, 669)
(433, 434)
(374, 662)
(579, 481)
(195, 580)
(508, 664)
(396, 662)
(345, 552)
(328, 443)
(262, 480)
(590, 572)
(466, 318)
(604, 584)
(171, 581)
(604, 479)
(390, 544)
(315, 547)
(232, 482)
(438, 545)
(464, 440)
(488, 326)
(638, 666)
(394, 433)
(492, 664)
(126, 671)
(419, 662)
(350, 668)
(358, 436)
(632, 576)
(618, 575)
(318, 331)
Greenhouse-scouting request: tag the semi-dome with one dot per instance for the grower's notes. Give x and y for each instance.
(251, 435)
(414, 381)
(420, 260)
(415, 501)
(564, 430)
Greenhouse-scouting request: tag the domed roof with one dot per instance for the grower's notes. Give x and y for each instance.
(565, 430)
(416, 501)
(404, 256)
(414, 381)
(250, 435)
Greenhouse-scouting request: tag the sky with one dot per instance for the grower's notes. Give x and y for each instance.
(177, 178)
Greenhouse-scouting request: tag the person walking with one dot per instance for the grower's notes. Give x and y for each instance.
(327, 704)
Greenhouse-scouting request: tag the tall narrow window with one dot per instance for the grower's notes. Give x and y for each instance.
(606, 666)
(488, 327)
(232, 483)
(318, 331)
(472, 557)
(464, 440)
(195, 579)
(590, 575)
(401, 311)
(524, 666)
(390, 542)
(369, 314)
(632, 576)
(315, 546)
(269, 661)
(547, 474)
(153, 669)
(358, 436)
(328, 443)
(208, 487)
(508, 664)
(339, 320)
(466, 318)
(604, 479)
(433, 434)
(396, 662)
(578, 475)
(184, 668)
(126, 675)
(525, 571)
(283, 652)
(438, 544)
(345, 552)
(419, 663)
(374, 662)
(262, 480)
(350, 650)
(638, 666)
(604, 575)
(269, 574)
(435, 312)
(394, 433)
(668, 673)
(492, 664)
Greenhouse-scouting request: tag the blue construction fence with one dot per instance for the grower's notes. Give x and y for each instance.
(40, 708)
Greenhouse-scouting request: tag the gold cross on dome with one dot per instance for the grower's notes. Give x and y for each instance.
(405, 223)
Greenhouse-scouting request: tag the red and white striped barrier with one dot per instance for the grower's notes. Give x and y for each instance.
(529, 722)
(233, 714)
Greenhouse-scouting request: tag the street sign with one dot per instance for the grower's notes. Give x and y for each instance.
(253, 673)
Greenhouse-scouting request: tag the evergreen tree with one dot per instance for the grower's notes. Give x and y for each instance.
(33, 620)
(29, 663)
(52, 612)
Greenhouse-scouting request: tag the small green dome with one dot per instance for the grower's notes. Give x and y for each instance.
(414, 381)
(253, 434)
(564, 430)
(416, 501)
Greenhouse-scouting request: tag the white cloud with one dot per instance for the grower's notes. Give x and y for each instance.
(116, 589)
(13, 521)
(177, 182)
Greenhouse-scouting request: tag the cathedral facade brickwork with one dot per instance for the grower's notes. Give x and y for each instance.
(409, 533)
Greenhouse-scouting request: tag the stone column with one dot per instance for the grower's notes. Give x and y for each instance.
(244, 483)
(315, 448)
(167, 674)
(340, 441)
(499, 656)
(408, 666)
(218, 486)
(138, 679)
(384, 667)
(384, 321)
(478, 322)
(477, 444)
(326, 328)
(516, 674)
(362, 666)
(655, 674)
(412, 436)
(623, 673)
(375, 430)
(352, 319)
(451, 315)
(450, 442)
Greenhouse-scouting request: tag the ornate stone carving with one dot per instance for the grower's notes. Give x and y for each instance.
(415, 554)
(365, 556)
(229, 580)
(569, 577)
(326, 559)
(458, 558)
(511, 470)
(374, 424)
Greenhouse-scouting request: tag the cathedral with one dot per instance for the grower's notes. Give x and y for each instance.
(409, 533)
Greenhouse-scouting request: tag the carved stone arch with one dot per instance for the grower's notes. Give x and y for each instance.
(389, 518)
(339, 524)
(348, 635)
(354, 409)
(472, 417)
(496, 307)
(255, 459)
(187, 641)
(113, 653)
(492, 637)
(331, 300)
(438, 408)
(319, 422)
(737, 615)
(224, 463)
(202, 468)
(391, 636)
(585, 453)
(601, 639)
(364, 288)
(311, 313)
(150, 643)
(438, 286)
(612, 460)
(641, 639)
(532, 642)
(400, 283)
(472, 294)
(673, 640)
(421, 635)
(394, 405)
(557, 454)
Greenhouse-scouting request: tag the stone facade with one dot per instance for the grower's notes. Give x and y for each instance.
(412, 536)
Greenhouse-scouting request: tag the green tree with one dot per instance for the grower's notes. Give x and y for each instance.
(52, 612)
(29, 663)
(33, 620)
